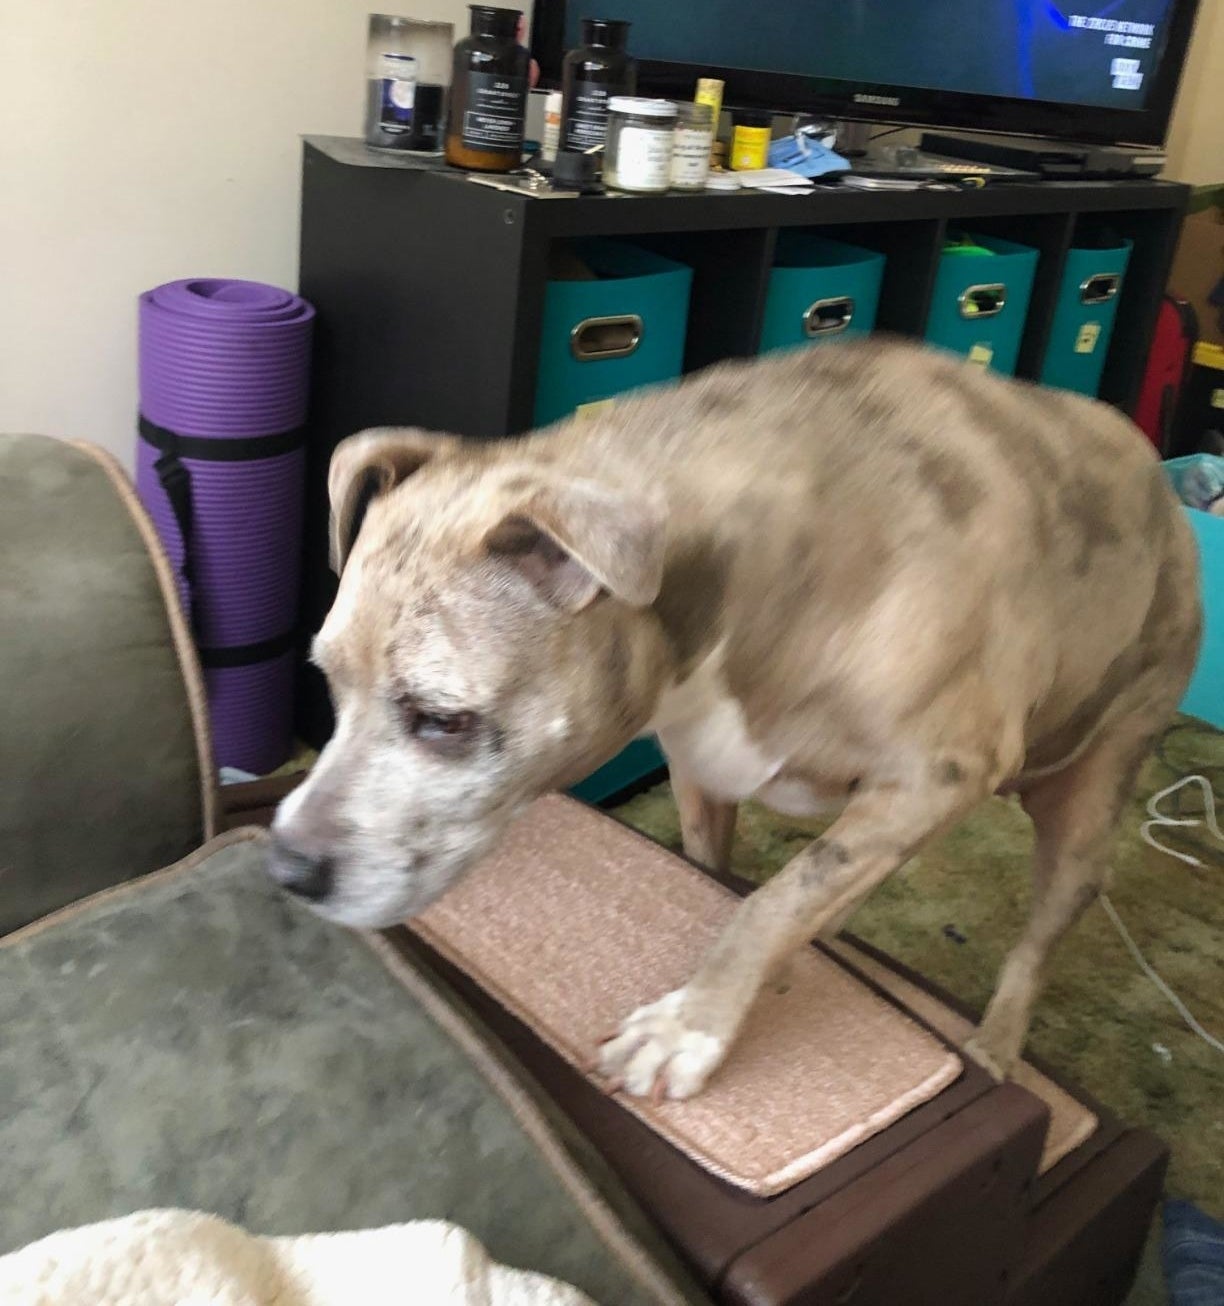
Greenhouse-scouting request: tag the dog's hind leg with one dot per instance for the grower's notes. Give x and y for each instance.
(1075, 813)
(672, 1046)
(707, 825)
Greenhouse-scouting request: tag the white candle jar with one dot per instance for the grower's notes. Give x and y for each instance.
(638, 153)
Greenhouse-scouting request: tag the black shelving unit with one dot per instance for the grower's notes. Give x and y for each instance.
(430, 290)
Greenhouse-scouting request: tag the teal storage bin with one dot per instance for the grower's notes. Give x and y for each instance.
(820, 290)
(628, 768)
(1084, 318)
(981, 300)
(603, 337)
(1205, 696)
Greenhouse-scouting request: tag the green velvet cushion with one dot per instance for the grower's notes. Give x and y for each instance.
(199, 1040)
(99, 765)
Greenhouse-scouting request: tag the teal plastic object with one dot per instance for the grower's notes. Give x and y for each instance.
(820, 290)
(1084, 318)
(629, 767)
(600, 339)
(1205, 696)
(980, 302)
(603, 337)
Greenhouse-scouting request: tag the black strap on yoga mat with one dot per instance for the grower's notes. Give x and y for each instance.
(176, 482)
(238, 449)
(245, 655)
(175, 478)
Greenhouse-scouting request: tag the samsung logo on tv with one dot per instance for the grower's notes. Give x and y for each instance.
(888, 101)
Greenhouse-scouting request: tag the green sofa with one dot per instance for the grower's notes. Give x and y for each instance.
(189, 1037)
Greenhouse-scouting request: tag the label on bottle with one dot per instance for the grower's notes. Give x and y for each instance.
(398, 99)
(643, 158)
(691, 157)
(586, 121)
(397, 96)
(496, 113)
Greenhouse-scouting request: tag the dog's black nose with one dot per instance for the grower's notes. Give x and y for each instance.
(306, 877)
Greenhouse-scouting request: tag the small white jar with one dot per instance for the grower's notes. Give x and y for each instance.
(638, 152)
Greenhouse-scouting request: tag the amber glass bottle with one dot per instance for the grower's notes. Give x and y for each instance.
(590, 75)
(488, 109)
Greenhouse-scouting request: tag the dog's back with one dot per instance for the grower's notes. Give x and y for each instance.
(881, 519)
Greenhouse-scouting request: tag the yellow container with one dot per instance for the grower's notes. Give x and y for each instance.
(750, 146)
(710, 91)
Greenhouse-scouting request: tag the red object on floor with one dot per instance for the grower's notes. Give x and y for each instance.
(1168, 367)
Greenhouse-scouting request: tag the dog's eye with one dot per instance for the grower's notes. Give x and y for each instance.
(439, 725)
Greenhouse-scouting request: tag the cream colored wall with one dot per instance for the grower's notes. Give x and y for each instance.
(143, 140)
(1196, 137)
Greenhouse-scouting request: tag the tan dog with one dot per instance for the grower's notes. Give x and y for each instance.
(866, 575)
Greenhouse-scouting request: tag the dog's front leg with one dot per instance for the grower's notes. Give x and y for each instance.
(708, 825)
(669, 1048)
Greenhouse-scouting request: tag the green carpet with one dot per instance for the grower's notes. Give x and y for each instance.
(953, 911)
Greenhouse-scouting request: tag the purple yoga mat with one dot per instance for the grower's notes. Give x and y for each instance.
(224, 360)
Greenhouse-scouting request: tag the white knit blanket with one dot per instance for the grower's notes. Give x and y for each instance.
(184, 1258)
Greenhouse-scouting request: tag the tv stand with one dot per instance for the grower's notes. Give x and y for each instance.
(1052, 160)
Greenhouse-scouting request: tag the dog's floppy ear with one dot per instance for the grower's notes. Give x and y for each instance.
(574, 538)
(369, 464)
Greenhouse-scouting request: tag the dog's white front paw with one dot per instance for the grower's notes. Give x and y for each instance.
(659, 1053)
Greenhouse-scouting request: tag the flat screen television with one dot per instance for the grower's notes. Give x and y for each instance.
(1100, 73)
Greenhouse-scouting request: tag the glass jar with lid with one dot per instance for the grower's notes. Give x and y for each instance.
(638, 154)
(692, 145)
(408, 70)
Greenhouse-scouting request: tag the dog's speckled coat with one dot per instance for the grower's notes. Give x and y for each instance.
(870, 575)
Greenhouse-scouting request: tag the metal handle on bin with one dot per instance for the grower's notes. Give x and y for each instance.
(982, 301)
(826, 317)
(1099, 288)
(597, 338)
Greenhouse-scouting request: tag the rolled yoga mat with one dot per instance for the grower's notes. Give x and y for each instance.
(224, 368)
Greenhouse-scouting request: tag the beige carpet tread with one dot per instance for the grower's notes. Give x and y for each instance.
(1071, 1123)
(577, 920)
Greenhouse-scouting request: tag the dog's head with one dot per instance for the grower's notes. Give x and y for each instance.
(491, 639)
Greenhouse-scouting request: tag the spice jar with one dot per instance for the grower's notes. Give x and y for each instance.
(488, 113)
(691, 148)
(750, 140)
(638, 154)
(590, 76)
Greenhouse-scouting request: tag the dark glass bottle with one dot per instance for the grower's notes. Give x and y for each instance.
(597, 69)
(488, 109)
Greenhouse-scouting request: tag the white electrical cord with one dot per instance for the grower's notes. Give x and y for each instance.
(1157, 820)
(1150, 971)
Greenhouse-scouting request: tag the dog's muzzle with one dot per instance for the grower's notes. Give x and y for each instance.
(304, 876)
